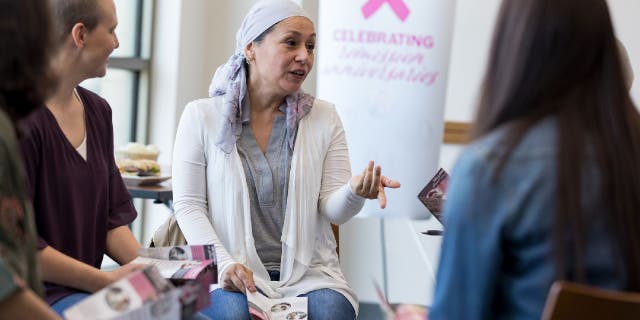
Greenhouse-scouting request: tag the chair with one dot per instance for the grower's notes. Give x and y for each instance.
(576, 301)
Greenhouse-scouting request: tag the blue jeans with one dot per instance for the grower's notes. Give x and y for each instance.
(323, 304)
(69, 301)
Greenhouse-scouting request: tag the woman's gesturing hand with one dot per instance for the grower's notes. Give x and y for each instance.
(371, 183)
(238, 278)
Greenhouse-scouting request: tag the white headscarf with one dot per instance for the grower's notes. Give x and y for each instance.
(230, 80)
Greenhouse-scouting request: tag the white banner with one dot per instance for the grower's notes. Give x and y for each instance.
(384, 64)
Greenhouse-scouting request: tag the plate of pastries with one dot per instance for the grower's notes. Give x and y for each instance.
(138, 164)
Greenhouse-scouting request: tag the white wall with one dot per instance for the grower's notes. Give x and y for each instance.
(193, 37)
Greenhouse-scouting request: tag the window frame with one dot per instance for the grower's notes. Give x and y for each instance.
(138, 64)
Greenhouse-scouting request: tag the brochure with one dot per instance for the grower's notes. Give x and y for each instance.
(141, 295)
(264, 308)
(433, 195)
(192, 268)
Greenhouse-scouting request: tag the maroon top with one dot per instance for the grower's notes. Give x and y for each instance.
(75, 201)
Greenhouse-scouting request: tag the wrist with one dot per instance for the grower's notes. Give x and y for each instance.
(100, 280)
(353, 182)
(352, 195)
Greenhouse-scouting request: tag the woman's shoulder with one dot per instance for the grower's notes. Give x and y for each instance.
(325, 110)
(206, 106)
(535, 152)
(92, 100)
(539, 140)
(202, 115)
(323, 106)
(37, 121)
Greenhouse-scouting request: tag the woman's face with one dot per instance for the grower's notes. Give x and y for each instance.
(102, 40)
(284, 58)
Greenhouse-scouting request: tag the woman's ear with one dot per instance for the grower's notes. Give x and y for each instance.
(79, 34)
(248, 52)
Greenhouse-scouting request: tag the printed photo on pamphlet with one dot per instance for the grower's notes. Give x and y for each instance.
(264, 308)
(433, 195)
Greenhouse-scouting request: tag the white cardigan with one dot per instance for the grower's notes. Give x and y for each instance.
(211, 199)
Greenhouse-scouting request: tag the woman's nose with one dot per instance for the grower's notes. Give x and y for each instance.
(303, 55)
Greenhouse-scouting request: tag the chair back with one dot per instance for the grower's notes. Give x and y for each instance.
(576, 301)
(336, 234)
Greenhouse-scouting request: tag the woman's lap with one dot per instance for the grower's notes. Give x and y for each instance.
(69, 301)
(227, 305)
(329, 304)
(322, 304)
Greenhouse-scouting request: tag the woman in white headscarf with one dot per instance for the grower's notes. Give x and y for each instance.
(261, 170)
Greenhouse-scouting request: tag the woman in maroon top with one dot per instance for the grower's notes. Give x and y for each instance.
(81, 205)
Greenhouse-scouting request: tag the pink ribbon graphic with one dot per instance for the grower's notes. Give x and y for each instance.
(398, 6)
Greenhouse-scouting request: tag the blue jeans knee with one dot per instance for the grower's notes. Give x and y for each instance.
(227, 305)
(327, 304)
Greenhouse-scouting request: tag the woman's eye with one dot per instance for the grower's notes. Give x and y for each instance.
(311, 46)
(290, 42)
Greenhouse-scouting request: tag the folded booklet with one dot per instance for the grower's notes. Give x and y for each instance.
(262, 307)
(192, 268)
(433, 195)
(141, 295)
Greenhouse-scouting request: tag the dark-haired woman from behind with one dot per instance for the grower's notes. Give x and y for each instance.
(25, 82)
(549, 189)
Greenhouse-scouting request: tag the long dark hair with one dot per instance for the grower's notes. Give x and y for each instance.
(26, 78)
(559, 58)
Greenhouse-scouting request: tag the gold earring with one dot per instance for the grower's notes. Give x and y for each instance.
(249, 60)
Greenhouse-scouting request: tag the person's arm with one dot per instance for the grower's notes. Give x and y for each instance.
(189, 180)
(61, 269)
(471, 256)
(17, 301)
(122, 246)
(343, 196)
(338, 201)
(26, 305)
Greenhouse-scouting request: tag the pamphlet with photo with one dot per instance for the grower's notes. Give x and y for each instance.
(141, 295)
(192, 268)
(433, 195)
(264, 308)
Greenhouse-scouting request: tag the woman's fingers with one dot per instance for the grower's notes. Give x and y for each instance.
(375, 185)
(239, 278)
(237, 283)
(246, 276)
(367, 179)
(382, 198)
(371, 184)
(388, 183)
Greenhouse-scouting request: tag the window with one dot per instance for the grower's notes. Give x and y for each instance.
(125, 85)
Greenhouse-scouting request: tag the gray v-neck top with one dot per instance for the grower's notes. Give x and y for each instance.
(267, 179)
